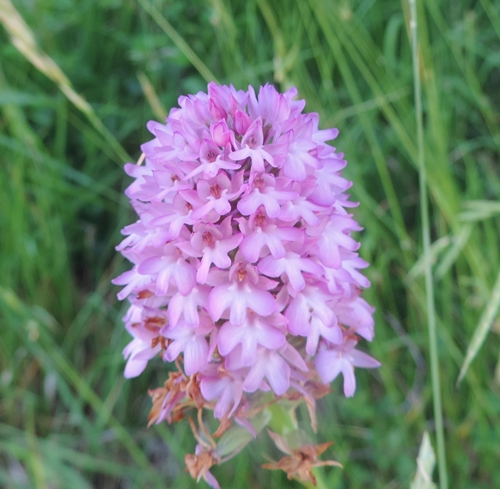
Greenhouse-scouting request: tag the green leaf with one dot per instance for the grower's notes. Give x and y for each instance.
(426, 461)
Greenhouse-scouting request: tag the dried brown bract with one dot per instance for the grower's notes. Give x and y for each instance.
(299, 462)
(172, 386)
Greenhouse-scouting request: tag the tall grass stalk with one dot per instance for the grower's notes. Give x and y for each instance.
(429, 286)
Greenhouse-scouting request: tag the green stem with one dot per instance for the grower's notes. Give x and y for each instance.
(429, 287)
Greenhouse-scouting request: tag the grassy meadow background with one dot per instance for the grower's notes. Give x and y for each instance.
(68, 419)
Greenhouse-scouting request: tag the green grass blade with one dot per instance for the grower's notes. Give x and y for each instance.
(429, 286)
(482, 329)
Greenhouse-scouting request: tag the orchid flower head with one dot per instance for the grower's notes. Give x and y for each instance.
(245, 270)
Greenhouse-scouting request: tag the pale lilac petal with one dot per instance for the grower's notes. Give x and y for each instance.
(271, 267)
(270, 337)
(134, 368)
(238, 310)
(229, 336)
(261, 301)
(218, 301)
(250, 203)
(298, 316)
(227, 390)
(254, 377)
(248, 349)
(203, 269)
(174, 350)
(332, 333)
(295, 277)
(212, 387)
(211, 480)
(349, 379)
(195, 355)
(240, 154)
(133, 281)
(191, 315)
(252, 245)
(312, 340)
(185, 277)
(361, 359)
(278, 374)
(293, 357)
(175, 309)
(328, 365)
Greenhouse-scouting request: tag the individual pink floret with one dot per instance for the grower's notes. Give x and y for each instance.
(245, 289)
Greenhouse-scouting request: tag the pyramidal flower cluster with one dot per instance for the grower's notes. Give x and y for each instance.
(245, 272)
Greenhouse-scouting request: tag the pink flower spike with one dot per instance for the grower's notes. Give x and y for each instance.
(173, 216)
(220, 95)
(168, 183)
(358, 315)
(293, 357)
(244, 266)
(216, 252)
(329, 182)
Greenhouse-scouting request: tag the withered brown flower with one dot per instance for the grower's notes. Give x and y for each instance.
(299, 462)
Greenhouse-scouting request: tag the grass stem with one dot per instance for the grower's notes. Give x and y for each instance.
(429, 287)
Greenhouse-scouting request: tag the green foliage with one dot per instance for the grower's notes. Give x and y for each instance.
(67, 417)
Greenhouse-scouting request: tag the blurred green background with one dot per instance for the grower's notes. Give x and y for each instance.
(68, 419)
